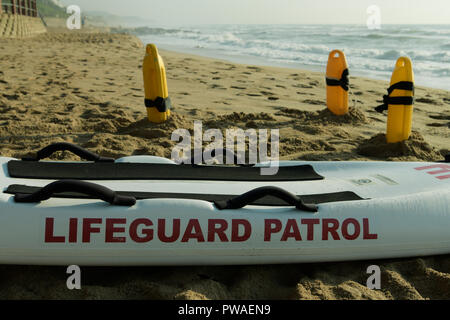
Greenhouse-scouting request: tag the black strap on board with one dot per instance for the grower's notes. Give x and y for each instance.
(153, 171)
(268, 200)
(64, 146)
(253, 195)
(93, 190)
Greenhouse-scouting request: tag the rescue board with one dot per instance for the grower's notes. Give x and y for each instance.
(339, 211)
(337, 83)
(157, 100)
(399, 102)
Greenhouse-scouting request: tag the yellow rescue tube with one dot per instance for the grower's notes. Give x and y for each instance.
(399, 123)
(337, 83)
(157, 98)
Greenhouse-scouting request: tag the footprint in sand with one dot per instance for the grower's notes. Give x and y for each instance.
(238, 88)
(438, 125)
(314, 102)
(217, 86)
(376, 119)
(427, 101)
(256, 69)
(11, 97)
(302, 86)
(440, 117)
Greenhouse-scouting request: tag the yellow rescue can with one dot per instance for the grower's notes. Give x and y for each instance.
(399, 102)
(157, 99)
(337, 83)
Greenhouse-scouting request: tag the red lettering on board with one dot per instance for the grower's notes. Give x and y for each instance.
(291, 231)
(217, 226)
(268, 229)
(310, 231)
(440, 174)
(88, 229)
(175, 231)
(49, 229)
(73, 230)
(366, 231)
(356, 229)
(147, 232)
(142, 230)
(111, 230)
(326, 229)
(193, 231)
(235, 237)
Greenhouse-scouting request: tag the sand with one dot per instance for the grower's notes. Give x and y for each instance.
(86, 88)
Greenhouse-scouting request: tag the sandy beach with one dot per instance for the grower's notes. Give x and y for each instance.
(87, 88)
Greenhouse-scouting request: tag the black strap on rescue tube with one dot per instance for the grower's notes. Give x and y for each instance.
(343, 82)
(64, 146)
(91, 189)
(256, 194)
(387, 99)
(159, 103)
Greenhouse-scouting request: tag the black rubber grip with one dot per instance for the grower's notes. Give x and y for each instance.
(256, 194)
(91, 189)
(64, 146)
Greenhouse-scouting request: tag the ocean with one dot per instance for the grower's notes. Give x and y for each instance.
(370, 53)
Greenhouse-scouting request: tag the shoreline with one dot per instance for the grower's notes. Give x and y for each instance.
(261, 62)
(367, 59)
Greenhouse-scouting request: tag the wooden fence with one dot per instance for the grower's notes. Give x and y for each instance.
(21, 7)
